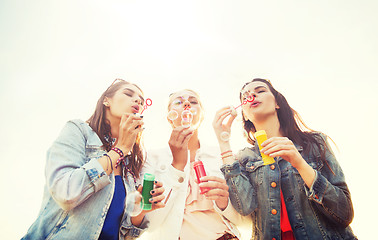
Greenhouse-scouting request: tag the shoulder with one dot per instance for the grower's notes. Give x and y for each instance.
(247, 152)
(77, 128)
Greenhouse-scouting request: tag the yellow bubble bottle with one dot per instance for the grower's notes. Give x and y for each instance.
(261, 137)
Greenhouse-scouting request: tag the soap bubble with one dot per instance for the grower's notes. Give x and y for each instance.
(172, 115)
(134, 203)
(185, 123)
(186, 118)
(193, 111)
(187, 115)
(225, 136)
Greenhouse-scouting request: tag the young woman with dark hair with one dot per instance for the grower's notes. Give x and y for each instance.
(303, 194)
(90, 169)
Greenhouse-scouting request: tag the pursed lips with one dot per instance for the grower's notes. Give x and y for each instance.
(135, 108)
(255, 104)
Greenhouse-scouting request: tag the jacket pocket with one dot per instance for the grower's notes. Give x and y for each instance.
(255, 171)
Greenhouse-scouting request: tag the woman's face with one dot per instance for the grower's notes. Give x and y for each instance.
(184, 101)
(127, 99)
(264, 104)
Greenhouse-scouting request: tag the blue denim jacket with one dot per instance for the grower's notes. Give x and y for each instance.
(323, 211)
(78, 192)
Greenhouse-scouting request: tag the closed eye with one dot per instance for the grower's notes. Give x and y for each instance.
(177, 102)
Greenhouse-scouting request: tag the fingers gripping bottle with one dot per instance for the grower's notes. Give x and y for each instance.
(148, 185)
(261, 137)
(200, 172)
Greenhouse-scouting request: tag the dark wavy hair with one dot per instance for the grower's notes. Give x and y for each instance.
(291, 124)
(101, 126)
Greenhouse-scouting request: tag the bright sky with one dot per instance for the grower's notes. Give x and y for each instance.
(57, 57)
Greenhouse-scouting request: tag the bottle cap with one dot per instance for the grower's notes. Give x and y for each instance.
(197, 163)
(149, 177)
(260, 133)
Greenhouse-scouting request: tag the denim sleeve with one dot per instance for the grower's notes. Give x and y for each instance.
(330, 191)
(70, 179)
(130, 231)
(242, 193)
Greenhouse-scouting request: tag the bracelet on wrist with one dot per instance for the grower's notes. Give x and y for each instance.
(223, 153)
(118, 151)
(230, 155)
(110, 160)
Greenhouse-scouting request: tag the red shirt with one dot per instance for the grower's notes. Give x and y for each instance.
(286, 231)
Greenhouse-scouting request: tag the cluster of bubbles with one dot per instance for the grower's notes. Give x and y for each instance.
(186, 116)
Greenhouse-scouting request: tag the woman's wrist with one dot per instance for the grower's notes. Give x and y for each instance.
(137, 220)
(222, 203)
(123, 149)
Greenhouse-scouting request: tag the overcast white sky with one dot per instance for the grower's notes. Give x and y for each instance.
(57, 57)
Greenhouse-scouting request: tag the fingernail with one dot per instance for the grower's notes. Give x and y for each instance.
(151, 200)
(141, 116)
(155, 182)
(155, 202)
(152, 191)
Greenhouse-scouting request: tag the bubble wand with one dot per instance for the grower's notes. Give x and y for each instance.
(148, 103)
(245, 102)
(225, 136)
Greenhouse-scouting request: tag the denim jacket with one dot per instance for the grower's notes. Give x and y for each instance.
(78, 192)
(323, 211)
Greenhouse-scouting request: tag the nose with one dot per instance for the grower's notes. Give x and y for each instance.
(138, 101)
(187, 105)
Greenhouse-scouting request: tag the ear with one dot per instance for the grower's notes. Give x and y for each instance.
(277, 107)
(106, 102)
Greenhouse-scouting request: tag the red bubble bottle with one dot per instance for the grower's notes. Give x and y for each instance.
(200, 172)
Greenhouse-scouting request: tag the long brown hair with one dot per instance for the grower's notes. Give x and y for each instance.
(101, 126)
(291, 124)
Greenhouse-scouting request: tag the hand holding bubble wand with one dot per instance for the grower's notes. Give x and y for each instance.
(225, 136)
(247, 100)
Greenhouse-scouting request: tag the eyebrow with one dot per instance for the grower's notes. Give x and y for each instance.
(132, 91)
(258, 87)
(189, 98)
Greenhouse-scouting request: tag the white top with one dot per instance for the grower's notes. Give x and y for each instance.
(165, 223)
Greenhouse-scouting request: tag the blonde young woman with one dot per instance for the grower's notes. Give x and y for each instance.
(89, 173)
(303, 194)
(188, 214)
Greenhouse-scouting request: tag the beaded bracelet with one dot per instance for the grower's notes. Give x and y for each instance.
(117, 150)
(229, 151)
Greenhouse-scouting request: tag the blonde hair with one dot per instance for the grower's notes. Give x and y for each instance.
(173, 96)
